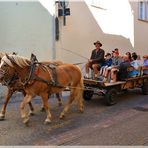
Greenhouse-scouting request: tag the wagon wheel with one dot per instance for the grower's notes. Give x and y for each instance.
(145, 88)
(110, 97)
(87, 94)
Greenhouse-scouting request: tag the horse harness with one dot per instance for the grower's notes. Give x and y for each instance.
(33, 74)
(34, 71)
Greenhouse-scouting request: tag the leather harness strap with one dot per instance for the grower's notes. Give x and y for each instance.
(33, 75)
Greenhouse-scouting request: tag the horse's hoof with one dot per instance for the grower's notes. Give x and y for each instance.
(42, 109)
(2, 118)
(62, 116)
(47, 121)
(26, 121)
(81, 110)
(31, 114)
(60, 104)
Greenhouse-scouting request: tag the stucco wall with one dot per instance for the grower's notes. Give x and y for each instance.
(83, 28)
(26, 27)
(140, 32)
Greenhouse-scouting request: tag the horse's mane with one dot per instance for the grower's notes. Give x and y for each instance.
(19, 60)
(2, 54)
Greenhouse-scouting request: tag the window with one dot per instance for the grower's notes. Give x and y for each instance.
(143, 10)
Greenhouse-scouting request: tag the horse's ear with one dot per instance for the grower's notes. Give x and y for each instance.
(14, 53)
(7, 56)
(10, 58)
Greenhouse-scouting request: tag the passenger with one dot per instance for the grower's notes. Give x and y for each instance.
(116, 60)
(134, 53)
(129, 56)
(123, 69)
(140, 61)
(107, 63)
(145, 65)
(136, 65)
(115, 50)
(96, 60)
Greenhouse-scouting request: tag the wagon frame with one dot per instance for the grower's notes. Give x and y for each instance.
(110, 90)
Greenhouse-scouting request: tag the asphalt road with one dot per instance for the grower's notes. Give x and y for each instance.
(125, 123)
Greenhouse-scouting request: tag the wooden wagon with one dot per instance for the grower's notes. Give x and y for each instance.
(110, 90)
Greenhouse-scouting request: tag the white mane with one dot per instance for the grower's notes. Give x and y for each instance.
(19, 60)
(2, 54)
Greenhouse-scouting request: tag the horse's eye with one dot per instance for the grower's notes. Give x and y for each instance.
(4, 65)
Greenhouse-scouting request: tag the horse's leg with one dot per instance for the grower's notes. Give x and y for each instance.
(7, 98)
(42, 107)
(67, 106)
(31, 112)
(47, 108)
(76, 93)
(58, 95)
(25, 101)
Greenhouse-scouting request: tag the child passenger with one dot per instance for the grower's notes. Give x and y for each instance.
(116, 60)
(106, 64)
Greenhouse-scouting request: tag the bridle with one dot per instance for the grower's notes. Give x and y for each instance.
(7, 80)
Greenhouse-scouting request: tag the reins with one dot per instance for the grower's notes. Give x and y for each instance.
(75, 53)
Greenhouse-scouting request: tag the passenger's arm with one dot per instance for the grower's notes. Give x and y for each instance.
(130, 68)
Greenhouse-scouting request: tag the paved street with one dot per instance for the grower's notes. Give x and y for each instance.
(122, 124)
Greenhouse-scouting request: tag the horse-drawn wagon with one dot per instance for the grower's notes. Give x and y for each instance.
(110, 90)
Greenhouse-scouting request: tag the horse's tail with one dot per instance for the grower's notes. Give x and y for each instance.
(80, 100)
(80, 86)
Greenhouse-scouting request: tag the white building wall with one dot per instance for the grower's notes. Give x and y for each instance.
(26, 27)
(114, 23)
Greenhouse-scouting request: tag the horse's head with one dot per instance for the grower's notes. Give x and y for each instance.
(7, 70)
(12, 64)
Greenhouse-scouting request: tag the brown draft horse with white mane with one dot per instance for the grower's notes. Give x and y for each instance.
(13, 84)
(41, 82)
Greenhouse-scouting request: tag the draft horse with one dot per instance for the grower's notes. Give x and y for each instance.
(13, 84)
(41, 79)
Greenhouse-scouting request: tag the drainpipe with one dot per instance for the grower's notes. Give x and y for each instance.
(53, 31)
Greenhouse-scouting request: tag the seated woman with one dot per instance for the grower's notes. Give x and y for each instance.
(129, 56)
(145, 65)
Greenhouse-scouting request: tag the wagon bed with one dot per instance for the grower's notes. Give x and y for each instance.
(110, 90)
